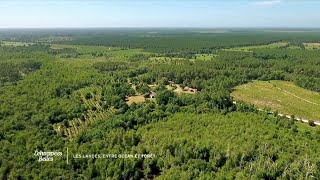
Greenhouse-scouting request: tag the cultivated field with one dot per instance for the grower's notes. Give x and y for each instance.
(281, 96)
(95, 111)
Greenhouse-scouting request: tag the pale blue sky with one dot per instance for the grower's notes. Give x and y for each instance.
(159, 13)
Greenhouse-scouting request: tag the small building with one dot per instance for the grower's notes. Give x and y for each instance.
(150, 94)
(193, 90)
(170, 83)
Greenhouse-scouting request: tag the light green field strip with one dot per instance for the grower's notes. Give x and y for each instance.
(281, 96)
(315, 46)
(11, 43)
(249, 48)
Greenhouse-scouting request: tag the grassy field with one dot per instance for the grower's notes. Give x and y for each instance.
(249, 48)
(136, 99)
(179, 90)
(127, 52)
(11, 43)
(164, 59)
(62, 46)
(312, 45)
(84, 49)
(206, 57)
(281, 96)
(110, 53)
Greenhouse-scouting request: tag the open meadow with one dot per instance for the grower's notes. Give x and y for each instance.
(283, 97)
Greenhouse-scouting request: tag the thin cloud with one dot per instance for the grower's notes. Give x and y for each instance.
(267, 2)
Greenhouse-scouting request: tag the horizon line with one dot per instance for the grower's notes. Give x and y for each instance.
(163, 27)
